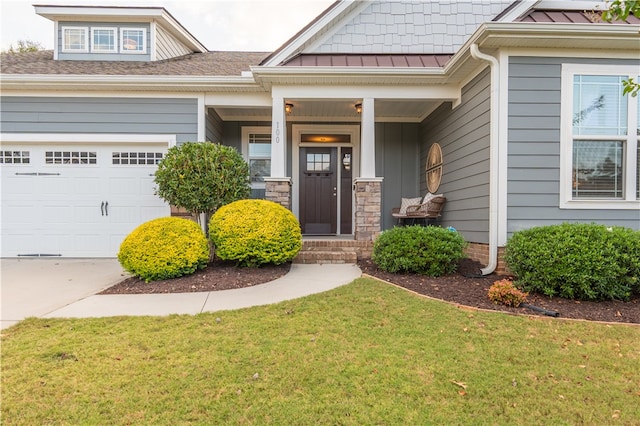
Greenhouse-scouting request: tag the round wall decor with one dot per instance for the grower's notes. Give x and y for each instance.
(434, 168)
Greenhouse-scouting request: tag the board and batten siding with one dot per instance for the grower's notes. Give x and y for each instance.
(101, 115)
(463, 133)
(167, 46)
(397, 155)
(533, 188)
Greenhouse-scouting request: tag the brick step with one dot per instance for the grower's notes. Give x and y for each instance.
(317, 256)
(333, 250)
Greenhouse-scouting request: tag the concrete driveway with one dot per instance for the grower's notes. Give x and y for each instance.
(36, 287)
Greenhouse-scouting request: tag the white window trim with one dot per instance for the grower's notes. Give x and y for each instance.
(86, 39)
(133, 52)
(246, 131)
(115, 39)
(629, 201)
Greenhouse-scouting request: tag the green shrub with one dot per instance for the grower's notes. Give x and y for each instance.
(505, 292)
(202, 176)
(255, 232)
(168, 247)
(423, 250)
(576, 261)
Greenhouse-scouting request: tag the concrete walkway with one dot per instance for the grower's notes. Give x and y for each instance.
(301, 281)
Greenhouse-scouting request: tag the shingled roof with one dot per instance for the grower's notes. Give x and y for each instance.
(195, 64)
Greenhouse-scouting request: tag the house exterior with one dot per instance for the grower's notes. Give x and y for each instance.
(512, 109)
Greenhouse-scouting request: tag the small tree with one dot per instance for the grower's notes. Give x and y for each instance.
(202, 177)
(619, 10)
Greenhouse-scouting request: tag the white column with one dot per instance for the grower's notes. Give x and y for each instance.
(368, 142)
(278, 139)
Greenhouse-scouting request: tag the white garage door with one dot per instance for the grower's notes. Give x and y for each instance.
(76, 200)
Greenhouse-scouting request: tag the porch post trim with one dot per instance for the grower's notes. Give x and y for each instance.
(278, 139)
(368, 142)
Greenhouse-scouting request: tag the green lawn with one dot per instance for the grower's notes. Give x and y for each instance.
(367, 353)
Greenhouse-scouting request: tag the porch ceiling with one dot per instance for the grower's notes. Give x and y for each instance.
(343, 110)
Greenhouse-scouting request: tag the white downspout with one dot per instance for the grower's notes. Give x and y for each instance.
(494, 150)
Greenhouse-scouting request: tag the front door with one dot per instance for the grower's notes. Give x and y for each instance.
(325, 190)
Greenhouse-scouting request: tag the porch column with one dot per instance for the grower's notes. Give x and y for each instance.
(368, 187)
(278, 185)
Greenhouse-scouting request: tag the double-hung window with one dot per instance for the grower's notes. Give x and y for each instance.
(103, 40)
(75, 39)
(600, 131)
(256, 149)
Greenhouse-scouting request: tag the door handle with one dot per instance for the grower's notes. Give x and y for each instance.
(106, 208)
(102, 208)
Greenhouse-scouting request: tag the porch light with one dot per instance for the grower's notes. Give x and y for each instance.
(358, 108)
(346, 161)
(288, 108)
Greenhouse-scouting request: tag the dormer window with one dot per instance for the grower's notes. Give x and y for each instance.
(103, 40)
(133, 40)
(75, 39)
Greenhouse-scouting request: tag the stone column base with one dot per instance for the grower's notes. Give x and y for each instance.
(278, 190)
(368, 215)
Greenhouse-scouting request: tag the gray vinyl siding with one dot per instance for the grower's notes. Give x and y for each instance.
(463, 134)
(167, 46)
(533, 189)
(101, 115)
(213, 126)
(89, 56)
(397, 156)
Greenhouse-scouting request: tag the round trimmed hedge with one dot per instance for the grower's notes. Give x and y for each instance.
(255, 232)
(427, 250)
(584, 261)
(163, 248)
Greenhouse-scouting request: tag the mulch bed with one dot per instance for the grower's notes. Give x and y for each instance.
(216, 276)
(465, 287)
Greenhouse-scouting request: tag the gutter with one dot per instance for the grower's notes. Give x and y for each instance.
(494, 150)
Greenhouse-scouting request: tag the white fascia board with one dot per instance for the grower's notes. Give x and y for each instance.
(294, 45)
(538, 28)
(391, 91)
(54, 12)
(87, 138)
(102, 82)
(181, 33)
(337, 75)
(518, 10)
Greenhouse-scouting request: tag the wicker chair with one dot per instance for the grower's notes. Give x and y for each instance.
(427, 212)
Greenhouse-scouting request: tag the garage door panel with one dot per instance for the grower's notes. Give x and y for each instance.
(53, 206)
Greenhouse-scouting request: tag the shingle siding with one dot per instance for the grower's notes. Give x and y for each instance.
(463, 134)
(436, 26)
(101, 115)
(533, 187)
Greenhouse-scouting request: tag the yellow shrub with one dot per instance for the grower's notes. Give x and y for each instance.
(255, 232)
(163, 248)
